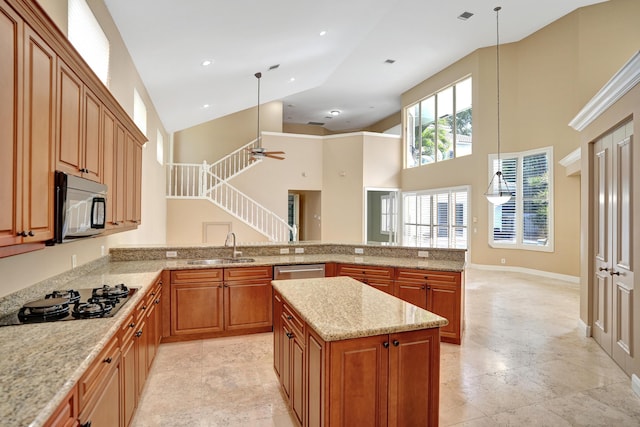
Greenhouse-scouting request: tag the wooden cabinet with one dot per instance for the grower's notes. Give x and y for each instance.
(391, 379)
(292, 352)
(278, 334)
(220, 302)
(27, 90)
(196, 302)
(378, 277)
(52, 108)
(247, 297)
(444, 293)
(99, 389)
(133, 180)
(154, 321)
(129, 358)
(66, 415)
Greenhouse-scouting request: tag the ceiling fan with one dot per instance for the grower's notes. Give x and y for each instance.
(259, 152)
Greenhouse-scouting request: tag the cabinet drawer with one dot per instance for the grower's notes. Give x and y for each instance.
(247, 273)
(411, 275)
(293, 318)
(364, 271)
(93, 379)
(127, 329)
(191, 276)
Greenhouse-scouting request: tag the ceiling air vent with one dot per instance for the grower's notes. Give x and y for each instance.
(465, 15)
(273, 67)
(389, 61)
(316, 123)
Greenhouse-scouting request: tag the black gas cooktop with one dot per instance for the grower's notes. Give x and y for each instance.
(72, 304)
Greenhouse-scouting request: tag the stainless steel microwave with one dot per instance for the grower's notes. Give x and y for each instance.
(80, 207)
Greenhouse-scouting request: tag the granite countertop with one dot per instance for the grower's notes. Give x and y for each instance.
(45, 360)
(339, 308)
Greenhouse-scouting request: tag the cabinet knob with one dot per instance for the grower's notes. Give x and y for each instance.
(423, 287)
(139, 334)
(144, 307)
(396, 343)
(108, 360)
(290, 335)
(22, 234)
(385, 344)
(31, 233)
(289, 317)
(132, 325)
(157, 301)
(87, 424)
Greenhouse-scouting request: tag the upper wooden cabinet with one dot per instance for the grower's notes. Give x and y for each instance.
(55, 114)
(79, 139)
(27, 96)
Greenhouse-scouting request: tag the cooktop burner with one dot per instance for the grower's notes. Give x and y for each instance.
(72, 304)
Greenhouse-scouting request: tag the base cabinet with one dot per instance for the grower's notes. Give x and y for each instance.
(207, 303)
(67, 413)
(382, 380)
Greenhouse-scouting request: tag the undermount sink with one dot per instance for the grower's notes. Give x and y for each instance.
(219, 261)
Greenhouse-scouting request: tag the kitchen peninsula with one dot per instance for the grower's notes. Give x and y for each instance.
(349, 354)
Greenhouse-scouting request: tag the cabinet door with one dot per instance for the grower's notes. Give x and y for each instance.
(287, 344)
(414, 366)
(142, 338)
(66, 415)
(444, 300)
(128, 389)
(315, 379)
(413, 293)
(11, 28)
(130, 173)
(358, 382)
(137, 186)
(109, 163)
(277, 333)
(196, 308)
(105, 410)
(92, 137)
(38, 141)
(247, 304)
(69, 127)
(120, 178)
(297, 377)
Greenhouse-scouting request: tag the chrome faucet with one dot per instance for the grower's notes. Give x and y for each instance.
(235, 253)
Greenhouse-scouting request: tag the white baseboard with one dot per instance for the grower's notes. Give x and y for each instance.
(635, 384)
(563, 277)
(585, 328)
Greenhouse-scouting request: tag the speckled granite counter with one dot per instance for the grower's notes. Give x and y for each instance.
(339, 308)
(44, 361)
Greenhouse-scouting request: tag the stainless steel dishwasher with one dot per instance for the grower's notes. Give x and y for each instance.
(298, 271)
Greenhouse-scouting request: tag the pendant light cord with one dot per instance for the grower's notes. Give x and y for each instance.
(497, 10)
(258, 75)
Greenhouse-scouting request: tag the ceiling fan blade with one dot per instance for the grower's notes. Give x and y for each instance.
(272, 156)
(274, 152)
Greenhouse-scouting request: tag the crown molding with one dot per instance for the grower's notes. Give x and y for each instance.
(622, 82)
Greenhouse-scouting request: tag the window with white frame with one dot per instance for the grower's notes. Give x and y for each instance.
(388, 214)
(440, 126)
(86, 35)
(436, 218)
(525, 221)
(139, 112)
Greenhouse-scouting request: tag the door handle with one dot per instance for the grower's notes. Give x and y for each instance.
(614, 273)
(603, 269)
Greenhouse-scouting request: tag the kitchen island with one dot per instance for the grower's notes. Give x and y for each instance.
(348, 354)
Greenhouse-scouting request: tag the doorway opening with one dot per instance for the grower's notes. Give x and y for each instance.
(303, 213)
(381, 217)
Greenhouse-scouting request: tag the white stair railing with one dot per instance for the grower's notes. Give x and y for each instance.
(198, 181)
(235, 162)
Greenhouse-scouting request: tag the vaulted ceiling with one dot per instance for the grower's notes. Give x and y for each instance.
(346, 69)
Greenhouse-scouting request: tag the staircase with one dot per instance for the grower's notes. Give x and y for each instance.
(210, 182)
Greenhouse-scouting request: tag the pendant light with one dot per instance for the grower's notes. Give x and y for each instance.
(498, 192)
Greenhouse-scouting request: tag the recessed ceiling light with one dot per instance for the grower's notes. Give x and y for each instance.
(206, 106)
(323, 32)
(389, 61)
(206, 62)
(465, 15)
(292, 79)
(334, 112)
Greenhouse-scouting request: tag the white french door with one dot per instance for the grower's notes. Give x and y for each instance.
(613, 275)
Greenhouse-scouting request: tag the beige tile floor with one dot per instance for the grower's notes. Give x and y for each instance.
(523, 362)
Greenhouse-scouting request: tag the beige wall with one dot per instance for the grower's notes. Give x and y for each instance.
(24, 270)
(545, 79)
(216, 138)
(304, 129)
